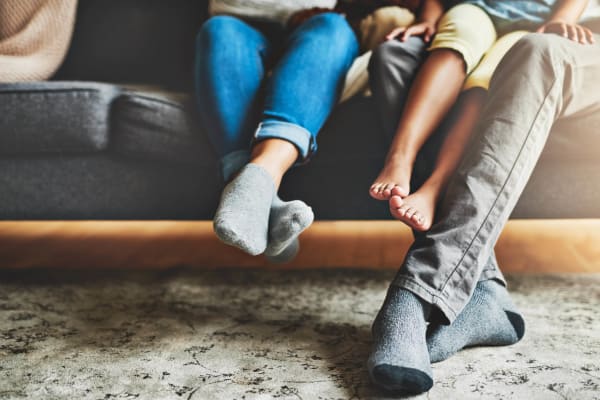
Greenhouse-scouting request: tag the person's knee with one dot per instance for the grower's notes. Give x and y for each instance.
(467, 22)
(413, 48)
(334, 27)
(222, 29)
(375, 27)
(395, 57)
(467, 30)
(536, 44)
(539, 55)
(535, 52)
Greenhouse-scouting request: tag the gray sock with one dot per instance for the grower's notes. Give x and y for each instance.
(489, 319)
(287, 254)
(242, 218)
(399, 361)
(287, 220)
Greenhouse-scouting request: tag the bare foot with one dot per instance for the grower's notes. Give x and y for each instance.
(394, 179)
(415, 210)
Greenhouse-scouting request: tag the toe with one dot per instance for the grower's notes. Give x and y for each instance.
(417, 217)
(398, 190)
(410, 212)
(374, 190)
(403, 210)
(420, 222)
(387, 190)
(381, 191)
(396, 202)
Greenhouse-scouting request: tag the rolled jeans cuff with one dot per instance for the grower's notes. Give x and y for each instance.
(295, 134)
(233, 162)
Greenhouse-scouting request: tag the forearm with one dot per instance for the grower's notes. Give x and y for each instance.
(568, 11)
(430, 11)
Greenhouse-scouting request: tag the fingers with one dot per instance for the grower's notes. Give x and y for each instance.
(559, 28)
(429, 32)
(408, 33)
(574, 32)
(395, 33)
(414, 30)
(589, 35)
(580, 34)
(421, 29)
(585, 35)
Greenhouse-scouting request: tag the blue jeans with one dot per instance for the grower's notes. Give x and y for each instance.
(240, 102)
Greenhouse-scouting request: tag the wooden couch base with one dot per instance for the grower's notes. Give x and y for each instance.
(532, 246)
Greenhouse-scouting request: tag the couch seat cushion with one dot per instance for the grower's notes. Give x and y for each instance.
(54, 117)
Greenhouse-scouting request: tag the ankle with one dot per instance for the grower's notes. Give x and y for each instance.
(433, 187)
(400, 158)
(273, 169)
(276, 156)
(398, 297)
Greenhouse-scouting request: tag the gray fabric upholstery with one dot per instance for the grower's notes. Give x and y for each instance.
(568, 143)
(102, 186)
(565, 189)
(54, 117)
(160, 126)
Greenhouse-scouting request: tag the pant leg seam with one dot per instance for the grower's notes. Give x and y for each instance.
(443, 288)
(436, 298)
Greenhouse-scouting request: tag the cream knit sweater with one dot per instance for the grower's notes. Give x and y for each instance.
(34, 37)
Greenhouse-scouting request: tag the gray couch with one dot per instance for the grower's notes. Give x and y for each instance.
(114, 135)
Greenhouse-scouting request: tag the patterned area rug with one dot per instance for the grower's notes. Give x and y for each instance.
(256, 334)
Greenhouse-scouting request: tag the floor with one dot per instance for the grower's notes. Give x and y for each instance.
(262, 334)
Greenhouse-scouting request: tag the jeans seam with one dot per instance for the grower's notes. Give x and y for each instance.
(493, 207)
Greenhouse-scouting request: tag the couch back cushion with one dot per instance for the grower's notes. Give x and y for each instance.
(135, 41)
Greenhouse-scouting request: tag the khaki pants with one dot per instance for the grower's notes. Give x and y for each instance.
(545, 85)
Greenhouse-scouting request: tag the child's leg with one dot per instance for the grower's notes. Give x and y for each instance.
(464, 34)
(417, 209)
(427, 104)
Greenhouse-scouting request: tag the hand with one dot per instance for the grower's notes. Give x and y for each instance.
(425, 29)
(574, 32)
